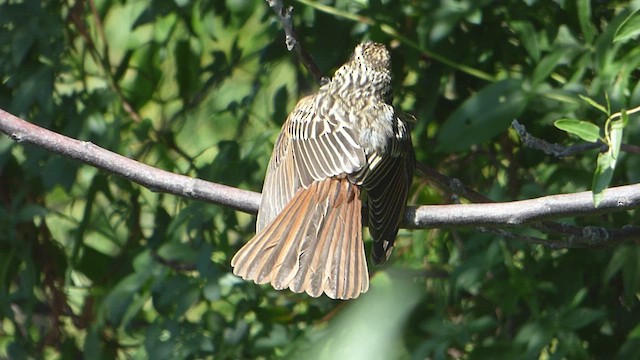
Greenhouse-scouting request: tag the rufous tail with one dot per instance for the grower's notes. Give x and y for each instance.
(314, 245)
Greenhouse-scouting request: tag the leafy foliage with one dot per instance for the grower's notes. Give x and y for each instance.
(613, 131)
(93, 265)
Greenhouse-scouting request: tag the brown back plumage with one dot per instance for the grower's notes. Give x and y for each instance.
(347, 136)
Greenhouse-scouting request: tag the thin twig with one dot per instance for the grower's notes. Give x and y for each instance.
(562, 151)
(291, 40)
(510, 235)
(589, 237)
(627, 112)
(452, 185)
(557, 150)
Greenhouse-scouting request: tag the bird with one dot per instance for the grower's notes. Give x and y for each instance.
(341, 152)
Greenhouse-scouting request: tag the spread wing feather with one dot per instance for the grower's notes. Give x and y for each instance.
(316, 143)
(387, 183)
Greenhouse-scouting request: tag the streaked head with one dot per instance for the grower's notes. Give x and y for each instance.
(368, 71)
(373, 56)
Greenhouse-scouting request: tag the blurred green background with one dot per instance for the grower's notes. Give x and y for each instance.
(94, 266)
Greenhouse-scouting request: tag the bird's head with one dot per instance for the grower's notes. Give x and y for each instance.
(368, 71)
(371, 56)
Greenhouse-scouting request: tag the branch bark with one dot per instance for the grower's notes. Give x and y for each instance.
(515, 213)
(155, 179)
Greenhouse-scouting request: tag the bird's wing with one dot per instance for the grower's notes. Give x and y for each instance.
(387, 182)
(316, 142)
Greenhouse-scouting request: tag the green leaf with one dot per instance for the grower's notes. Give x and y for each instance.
(631, 275)
(20, 45)
(593, 103)
(175, 294)
(177, 252)
(528, 37)
(624, 117)
(630, 27)
(584, 130)
(484, 115)
(607, 161)
(570, 345)
(615, 135)
(575, 319)
(534, 336)
(546, 66)
(602, 177)
(635, 333)
(620, 256)
(125, 300)
(578, 297)
(584, 16)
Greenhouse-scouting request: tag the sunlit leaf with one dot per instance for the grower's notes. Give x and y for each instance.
(584, 16)
(607, 161)
(602, 176)
(584, 130)
(615, 135)
(630, 27)
(595, 104)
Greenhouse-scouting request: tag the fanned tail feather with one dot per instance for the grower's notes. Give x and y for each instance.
(314, 245)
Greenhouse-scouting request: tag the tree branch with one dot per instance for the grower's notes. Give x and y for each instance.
(486, 217)
(145, 175)
(515, 213)
(576, 236)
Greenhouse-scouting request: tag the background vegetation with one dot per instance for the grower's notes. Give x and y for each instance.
(92, 265)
